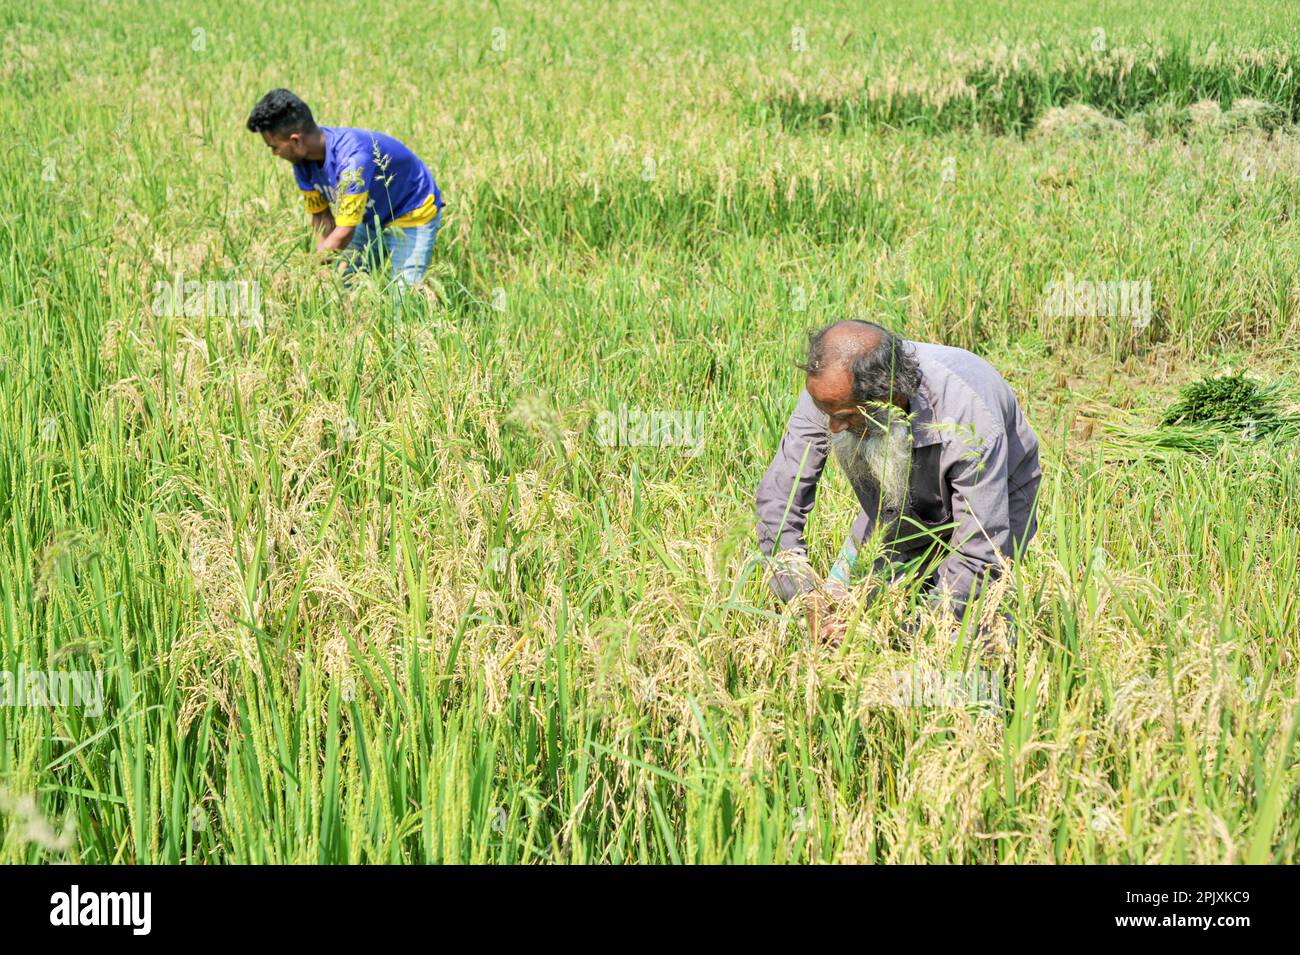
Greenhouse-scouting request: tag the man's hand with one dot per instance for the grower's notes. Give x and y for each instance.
(322, 224)
(337, 239)
(825, 623)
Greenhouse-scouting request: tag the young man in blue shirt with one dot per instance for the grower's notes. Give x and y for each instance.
(365, 191)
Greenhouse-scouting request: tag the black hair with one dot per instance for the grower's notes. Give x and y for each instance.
(280, 112)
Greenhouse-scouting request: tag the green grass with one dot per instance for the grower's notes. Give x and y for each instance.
(365, 586)
(1007, 91)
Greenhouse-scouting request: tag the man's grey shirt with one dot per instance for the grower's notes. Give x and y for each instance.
(973, 480)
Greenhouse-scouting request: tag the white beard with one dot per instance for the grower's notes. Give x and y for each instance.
(881, 462)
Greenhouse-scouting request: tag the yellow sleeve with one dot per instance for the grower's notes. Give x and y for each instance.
(315, 201)
(351, 209)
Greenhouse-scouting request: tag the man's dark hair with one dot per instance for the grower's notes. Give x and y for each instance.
(881, 373)
(280, 112)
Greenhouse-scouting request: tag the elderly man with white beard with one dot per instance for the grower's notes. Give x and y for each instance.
(937, 451)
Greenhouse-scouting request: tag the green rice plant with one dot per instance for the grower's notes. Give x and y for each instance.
(1212, 411)
(1228, 401)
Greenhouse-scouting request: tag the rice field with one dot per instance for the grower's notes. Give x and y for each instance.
(363, 579)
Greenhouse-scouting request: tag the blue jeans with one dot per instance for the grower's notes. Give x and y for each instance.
(409, 250)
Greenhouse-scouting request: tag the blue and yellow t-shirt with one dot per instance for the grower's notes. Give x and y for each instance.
(367, 174)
